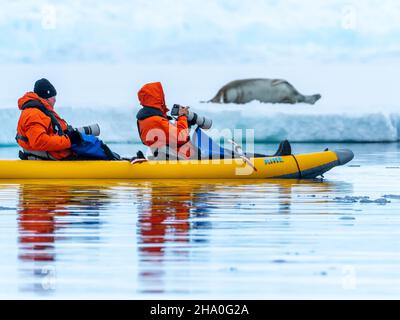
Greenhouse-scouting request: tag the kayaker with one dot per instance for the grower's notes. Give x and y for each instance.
(37, 134)
(164, 138)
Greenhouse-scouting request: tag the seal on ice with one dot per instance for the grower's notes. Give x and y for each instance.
(263, 90)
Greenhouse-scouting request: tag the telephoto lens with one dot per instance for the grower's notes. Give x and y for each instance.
(201, 121)
(93, 129)
(193, 118)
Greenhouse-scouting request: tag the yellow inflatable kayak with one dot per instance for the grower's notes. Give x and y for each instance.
(301, 166)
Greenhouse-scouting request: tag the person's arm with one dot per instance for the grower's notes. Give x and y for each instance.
(182, 126)
(176, 134)
(39, 139)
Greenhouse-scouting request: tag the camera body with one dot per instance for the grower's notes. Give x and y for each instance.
(175, 110)
(193, 118)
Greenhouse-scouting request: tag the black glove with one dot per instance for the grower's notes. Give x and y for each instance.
(75, 137)
(69, 129)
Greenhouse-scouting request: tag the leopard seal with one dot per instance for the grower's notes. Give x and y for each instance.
(263, 90)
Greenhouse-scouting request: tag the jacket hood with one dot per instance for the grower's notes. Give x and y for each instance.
(29, 96)
(152, 95)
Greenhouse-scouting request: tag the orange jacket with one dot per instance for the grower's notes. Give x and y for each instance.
(157, 131)
(37, 128)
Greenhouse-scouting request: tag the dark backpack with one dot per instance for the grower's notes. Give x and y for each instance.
(92, 148)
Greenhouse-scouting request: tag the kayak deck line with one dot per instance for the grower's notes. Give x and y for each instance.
(311, 173)
(305, 166)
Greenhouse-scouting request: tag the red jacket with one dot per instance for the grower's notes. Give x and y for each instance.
(156, 131)
(36, 127)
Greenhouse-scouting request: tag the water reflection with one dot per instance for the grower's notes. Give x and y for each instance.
(49, 214)
(178, 219)
(163, 218)
(156, 237)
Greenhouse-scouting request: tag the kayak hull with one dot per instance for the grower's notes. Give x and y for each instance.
(300, 166)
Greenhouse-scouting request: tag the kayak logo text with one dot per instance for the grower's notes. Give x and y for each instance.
(273, 160)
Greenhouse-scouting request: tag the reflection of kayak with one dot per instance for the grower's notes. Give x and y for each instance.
(305, 166)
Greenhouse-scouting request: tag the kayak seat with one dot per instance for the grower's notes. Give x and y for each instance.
(284, 149)
(30, 156)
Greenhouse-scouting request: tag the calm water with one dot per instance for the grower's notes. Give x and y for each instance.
(206, 238)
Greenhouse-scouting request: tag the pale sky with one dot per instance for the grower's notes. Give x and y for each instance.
(198, 31)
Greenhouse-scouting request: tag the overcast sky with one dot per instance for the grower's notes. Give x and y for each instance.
(187, 31)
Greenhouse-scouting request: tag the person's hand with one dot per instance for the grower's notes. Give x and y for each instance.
(75, 137)
(183, 111)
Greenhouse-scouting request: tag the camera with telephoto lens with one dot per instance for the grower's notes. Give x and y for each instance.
(193, 118)
(93, 129)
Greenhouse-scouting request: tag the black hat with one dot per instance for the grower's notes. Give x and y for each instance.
(44, 89)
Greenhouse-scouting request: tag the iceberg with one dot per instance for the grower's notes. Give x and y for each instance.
(118, 125)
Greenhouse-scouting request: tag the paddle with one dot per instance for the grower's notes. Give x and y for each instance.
(140, 158)
(237, 149)
(136, 161)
